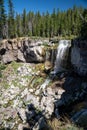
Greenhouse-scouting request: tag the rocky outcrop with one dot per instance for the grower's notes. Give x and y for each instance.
(23, 50)
(79, 56)
(31, 100)
(33, 51)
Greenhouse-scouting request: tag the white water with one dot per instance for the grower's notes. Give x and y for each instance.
(62, 55)
(46, 82)
(61, 59)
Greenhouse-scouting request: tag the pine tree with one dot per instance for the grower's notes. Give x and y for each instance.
(54, 22)
(47, 24)
(83, 32)
(3, 27)
(42, 26)
(24, 22)
(11, 20)
(38, 23)
(18, 25)
(31, 23)
(58, 23)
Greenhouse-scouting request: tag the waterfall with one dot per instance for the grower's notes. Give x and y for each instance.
(50, 55)
(62, 56)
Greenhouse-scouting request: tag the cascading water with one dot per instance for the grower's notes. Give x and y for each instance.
(50, 55)
(46, 82)
(62, 56)
(61, 59)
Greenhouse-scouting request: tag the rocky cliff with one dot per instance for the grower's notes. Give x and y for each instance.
(79, 56)
(34, 51)
(24, 50)
(30, 98)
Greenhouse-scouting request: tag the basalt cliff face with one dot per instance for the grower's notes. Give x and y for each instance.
(79, 57)
(22, 50)
(33, 51)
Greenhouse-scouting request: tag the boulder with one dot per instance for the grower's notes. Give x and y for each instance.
(47, 105)
(23, 127)
(34, 54)
(47, 66)
(20, 56)
(8, 57)
(22, 114)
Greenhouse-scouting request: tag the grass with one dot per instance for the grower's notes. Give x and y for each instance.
(15, 65)
(39, 67)
(36, 81)
(2, 67)
(56, 124)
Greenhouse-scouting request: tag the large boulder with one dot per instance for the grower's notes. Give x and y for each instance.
(8, 57)
(20, 56)
(34, 54)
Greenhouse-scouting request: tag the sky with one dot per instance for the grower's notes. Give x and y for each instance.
(44, 5)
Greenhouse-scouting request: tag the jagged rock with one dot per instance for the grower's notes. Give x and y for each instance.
(19, 44)
(8, 57)
(9, 46)
(22, 114)
(34, 54)
(47, 104)
(14, 45)
(47, 66)
(32, 99)
(23, 127)
(56, 92)
(20, 56)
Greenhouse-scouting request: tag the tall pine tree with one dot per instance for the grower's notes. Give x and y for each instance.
(11, 20)
(24, 22)
(83, 32)
(3, 28)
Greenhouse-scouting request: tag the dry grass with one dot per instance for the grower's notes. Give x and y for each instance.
(56, 124)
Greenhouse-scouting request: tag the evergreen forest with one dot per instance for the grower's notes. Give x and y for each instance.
(59, 23)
